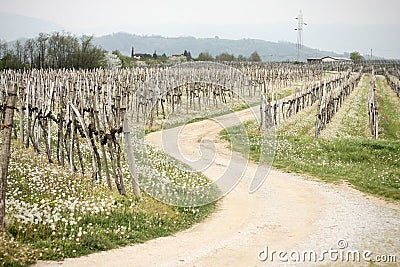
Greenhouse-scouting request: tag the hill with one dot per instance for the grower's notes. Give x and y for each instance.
(269, 51)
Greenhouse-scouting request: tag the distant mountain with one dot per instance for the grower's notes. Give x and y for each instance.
(269, 51)
(16, 26)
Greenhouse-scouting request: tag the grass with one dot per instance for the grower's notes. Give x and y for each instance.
(300, 124)
(389, 110)
(371, 166)
(285, 92)
(53, 214)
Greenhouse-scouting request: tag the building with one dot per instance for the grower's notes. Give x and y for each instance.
(141, 56)
(328, 59)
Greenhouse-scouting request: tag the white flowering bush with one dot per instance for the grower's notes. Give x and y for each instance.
(111, 61)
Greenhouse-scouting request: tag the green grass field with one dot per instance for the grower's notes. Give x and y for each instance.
(389, 110)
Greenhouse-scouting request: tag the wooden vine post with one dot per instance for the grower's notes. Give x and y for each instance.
(5, 152)
(373, 108)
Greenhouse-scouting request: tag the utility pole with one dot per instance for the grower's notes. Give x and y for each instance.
(299, 29)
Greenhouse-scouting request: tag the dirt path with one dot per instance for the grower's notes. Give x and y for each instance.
(287, 213)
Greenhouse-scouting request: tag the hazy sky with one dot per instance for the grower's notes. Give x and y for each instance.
(263, 19)
(79, 14)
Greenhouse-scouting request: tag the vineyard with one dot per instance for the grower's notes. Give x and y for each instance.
(74, 117)
(343, 135)
(71, 132)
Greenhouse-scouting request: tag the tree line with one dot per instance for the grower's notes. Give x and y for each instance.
(205, 56)
(59, 50)
(56, 50)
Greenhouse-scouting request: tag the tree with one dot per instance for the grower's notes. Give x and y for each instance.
(225, 57)
(19, 50)
(30, 52)
(10, 61)
(356, 56)
(57, 50)
(205, 56)
(255, 57)
(187, 55)
(91, 56)
(3, 48)
(241, 58)
(163, 58)
(41, 42)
